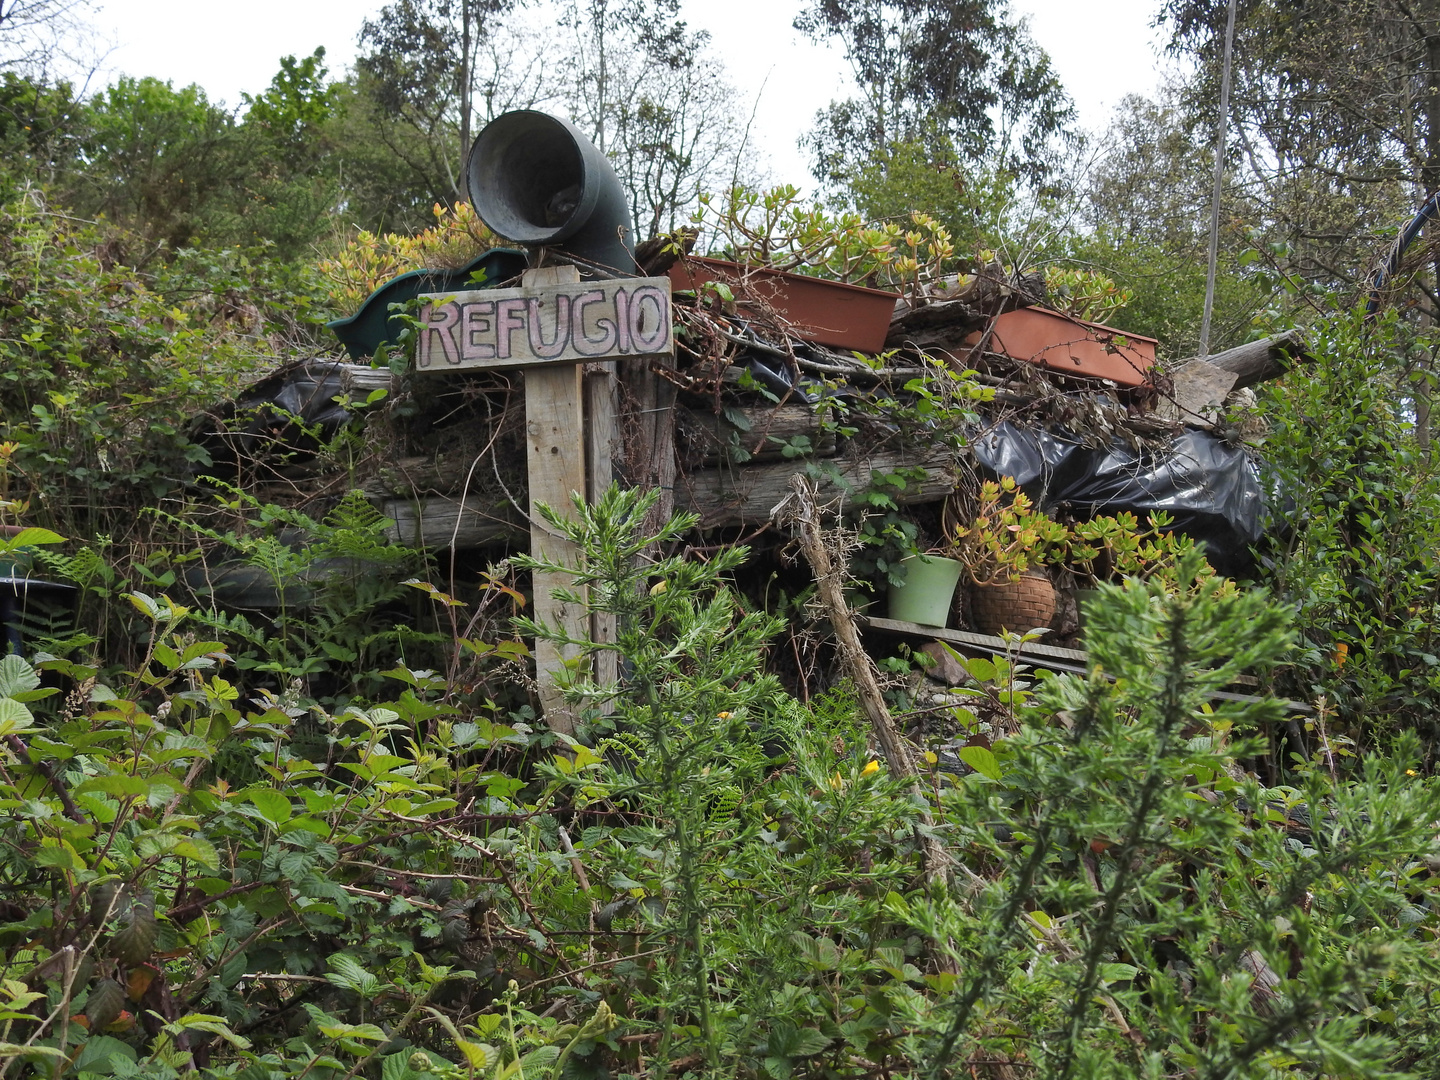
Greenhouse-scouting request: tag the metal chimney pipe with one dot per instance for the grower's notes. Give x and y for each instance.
(536, 180)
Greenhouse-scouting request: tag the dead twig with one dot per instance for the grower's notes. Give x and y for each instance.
(802, 511)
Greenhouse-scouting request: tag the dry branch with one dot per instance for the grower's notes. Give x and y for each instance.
(801, 510)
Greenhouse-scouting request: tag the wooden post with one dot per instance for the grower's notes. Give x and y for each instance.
(602, 409)
(555, 328)
(555, 436)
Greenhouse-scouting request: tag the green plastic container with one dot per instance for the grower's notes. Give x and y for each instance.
(362, 333)
(929, 588)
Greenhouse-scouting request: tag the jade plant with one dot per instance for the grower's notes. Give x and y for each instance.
(1111, 548)
(1007, 536)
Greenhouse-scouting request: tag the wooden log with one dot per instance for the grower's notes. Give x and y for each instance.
(956, 316)
(759, 432)
(422, 475)
(1259, 361)
(648, 422)
(747, 496)
(1197, 393)
(437, 522)
(604, 445)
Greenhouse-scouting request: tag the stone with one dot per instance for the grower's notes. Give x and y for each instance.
(946, 669)
(1199, 393)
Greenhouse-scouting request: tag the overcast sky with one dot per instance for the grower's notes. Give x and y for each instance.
(1103, 49)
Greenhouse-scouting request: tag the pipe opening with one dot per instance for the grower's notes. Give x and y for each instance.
(529, 177)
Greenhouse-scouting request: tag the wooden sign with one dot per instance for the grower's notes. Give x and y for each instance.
(566, 323)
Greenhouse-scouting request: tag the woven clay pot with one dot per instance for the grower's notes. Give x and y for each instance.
(1018, 606)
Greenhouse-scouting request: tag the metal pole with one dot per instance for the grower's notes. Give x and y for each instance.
(1219, 182)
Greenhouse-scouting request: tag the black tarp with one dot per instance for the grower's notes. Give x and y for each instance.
(1209, 488)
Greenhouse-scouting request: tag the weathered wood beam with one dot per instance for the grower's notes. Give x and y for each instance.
(437, 522)
(747, 495)
(764, 430)
(1259, 361)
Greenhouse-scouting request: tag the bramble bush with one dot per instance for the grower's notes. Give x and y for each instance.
(714, 879)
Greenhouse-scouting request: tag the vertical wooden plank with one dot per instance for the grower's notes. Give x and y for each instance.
(602, 408)
(555, 435)
(650, 434)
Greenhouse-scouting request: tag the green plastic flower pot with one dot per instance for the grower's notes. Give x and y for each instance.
(929, 588)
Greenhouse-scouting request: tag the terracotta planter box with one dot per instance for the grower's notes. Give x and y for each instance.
(825, 312)
(1071, 346)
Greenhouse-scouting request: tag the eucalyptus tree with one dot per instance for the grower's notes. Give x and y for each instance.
(1335, 117)
(425, 64)
(1335, 138)
(657, 102)
(962, 77)
(36, 33)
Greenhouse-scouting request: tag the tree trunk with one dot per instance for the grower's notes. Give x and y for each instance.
(1259, 361)
(467, 79)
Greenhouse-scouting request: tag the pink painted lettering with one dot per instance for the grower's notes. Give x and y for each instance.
(547, 350)
(582, 341)
(509, 317)
(438, 322)
(622, 321)
(649, 319)
(477, 333)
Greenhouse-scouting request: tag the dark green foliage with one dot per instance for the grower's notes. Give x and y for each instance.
(319, 603)
(724, 880)
(1355, 552)
(308, 839)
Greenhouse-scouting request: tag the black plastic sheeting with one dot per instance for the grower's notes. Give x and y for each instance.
(307, 392)
(290, 412)
(1209, 489)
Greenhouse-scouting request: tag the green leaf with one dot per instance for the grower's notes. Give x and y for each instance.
(16, 675)
(31, 537)
(353, 1031)
(478, 1055)
(980, 670)
(57, 853)
(117, 785)
(274, 805)
(215, 1025)
(104, 1004)
(809, 1042)
(16, 1050)
(533, 1064)
(981, 760)
(346, 973)
(99, 1053)
(14, 717)
(199, 849)
(134, 941)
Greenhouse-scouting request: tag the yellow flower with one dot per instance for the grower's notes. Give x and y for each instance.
(723, 715)
(658, 588)
(837, 782)
(871, 767)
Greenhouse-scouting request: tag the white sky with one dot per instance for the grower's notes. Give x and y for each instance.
(1103, 49)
